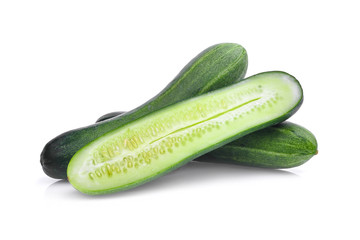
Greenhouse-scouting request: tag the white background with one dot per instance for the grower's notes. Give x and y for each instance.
(65, 63)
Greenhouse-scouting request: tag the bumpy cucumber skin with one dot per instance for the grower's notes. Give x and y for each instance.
(215, 67)
(284, 145)
(202, 152)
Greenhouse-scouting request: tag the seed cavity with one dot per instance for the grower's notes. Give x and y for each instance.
(127, 151)
(133, 143)
(115, 168)
(162, 150)
(92, 176)
(98, 173)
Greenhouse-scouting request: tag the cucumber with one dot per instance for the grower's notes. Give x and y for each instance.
(215, 67)
(166, 139)
(284, 145)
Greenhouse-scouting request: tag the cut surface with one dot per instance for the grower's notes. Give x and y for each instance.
(163, 140)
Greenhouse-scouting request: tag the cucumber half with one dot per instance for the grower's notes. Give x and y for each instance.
(166, 139)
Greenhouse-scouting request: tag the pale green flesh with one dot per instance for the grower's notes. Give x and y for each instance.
(149, 146)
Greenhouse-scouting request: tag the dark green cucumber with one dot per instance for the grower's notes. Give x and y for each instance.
(149, 147)
(284, 145)
(215, 67)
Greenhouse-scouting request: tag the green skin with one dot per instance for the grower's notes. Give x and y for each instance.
(217, 66)
(284, 145)
(78, 159)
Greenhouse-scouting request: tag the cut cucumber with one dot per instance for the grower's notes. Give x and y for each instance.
(166, 139)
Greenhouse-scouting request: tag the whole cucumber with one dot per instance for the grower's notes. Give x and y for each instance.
(215, 67)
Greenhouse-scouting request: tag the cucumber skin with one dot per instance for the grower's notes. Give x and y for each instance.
(215, 67)
(284, 145)
(207, 150)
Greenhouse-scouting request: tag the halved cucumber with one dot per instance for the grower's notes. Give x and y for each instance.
(166, 139)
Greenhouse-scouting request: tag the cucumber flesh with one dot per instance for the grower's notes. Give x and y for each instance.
(151, 146)
(284, 145)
